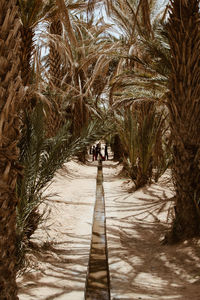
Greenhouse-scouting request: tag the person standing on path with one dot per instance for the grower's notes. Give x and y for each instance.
(98, 150)
(93, 153)
(106, 152)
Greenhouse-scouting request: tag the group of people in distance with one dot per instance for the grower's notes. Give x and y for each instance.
(97, 154)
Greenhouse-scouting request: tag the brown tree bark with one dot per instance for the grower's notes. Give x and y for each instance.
(55, 118)
(184, 110)
(11, 96)
(55, 60)
(27, 35)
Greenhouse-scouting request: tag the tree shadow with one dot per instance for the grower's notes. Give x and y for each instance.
(60, 271)
(140, 266)
(62, 244)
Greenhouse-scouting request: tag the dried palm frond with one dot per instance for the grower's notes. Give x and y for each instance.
(141, 128)
(41, 157)
(31, 12)
(143, 59)
(85, 67)
(11, 102)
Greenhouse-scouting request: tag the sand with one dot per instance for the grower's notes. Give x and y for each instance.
(140, 266)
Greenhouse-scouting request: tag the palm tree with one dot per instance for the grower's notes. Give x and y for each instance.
(140, 79)
(11, 97)
(55, 113)
(59, 19)
(141, 127)
(184, 111)
(40, 155)
(31, 12)
(55, 60)
(85, 53)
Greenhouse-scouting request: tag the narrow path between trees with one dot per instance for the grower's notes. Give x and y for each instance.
(139, 266)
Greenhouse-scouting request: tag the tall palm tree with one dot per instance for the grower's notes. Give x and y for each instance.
(31, 12)
(184, 110)
(61, 17)
(140, 79)
(11, 96)
(55, 114)
(41, 155)
(85, 60)
(55, 60)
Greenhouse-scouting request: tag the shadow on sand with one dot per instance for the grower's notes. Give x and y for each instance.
(59, 270)
(140, 266)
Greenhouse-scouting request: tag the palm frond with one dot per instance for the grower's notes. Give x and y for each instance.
(41, 157)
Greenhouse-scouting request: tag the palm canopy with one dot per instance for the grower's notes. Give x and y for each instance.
(140, 79)
(143, 56)
(34, 11)
(84, 61)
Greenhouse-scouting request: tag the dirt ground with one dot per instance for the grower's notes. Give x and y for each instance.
(140, 266)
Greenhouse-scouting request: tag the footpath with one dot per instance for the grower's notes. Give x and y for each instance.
(140, 267)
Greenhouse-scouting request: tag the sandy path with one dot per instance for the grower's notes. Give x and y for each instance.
(61, 266)
(140, 267)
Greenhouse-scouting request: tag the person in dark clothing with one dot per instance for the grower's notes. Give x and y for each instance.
(93, 153)
(98, 151)
(106, 152)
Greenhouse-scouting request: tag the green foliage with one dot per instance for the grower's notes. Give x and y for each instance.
(127, 127)
(139, 90)
(141, 128)
(41, 157)
(162, 160)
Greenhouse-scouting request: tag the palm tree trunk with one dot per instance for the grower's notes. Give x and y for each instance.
(55, 60)
(184, 110)
(11, 94)
(27, 47)
(117, 148)
(55, 117)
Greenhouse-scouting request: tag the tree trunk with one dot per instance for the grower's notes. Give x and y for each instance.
(11, 95)
(55, 60)
(117, 148)
(184, 110)
(55, 117)
(27, 47)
